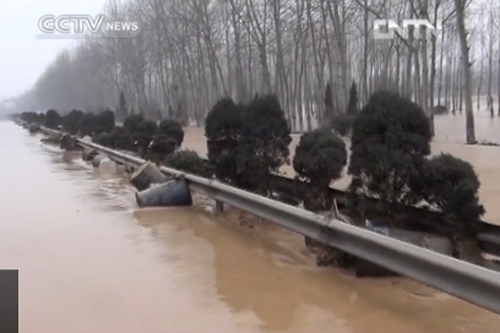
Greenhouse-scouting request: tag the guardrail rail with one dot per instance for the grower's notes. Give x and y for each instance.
(469, 282)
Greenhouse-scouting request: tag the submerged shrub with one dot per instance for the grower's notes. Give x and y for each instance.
(188, 161)
(104, 122)
(71, 122)
(390, 139)
(451, 185)
(53, 119)
(224, 130)
(342, 124)
(172, 129)
(319, 159)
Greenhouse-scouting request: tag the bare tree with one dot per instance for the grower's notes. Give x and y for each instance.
(190, 53)
(498, 69)
(467, 83)
(490, 38)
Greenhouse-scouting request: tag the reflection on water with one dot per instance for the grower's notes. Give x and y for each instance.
(91, 262)
(255, 274)
(451, 128)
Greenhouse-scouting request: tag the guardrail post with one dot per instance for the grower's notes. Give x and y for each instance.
(219, 206)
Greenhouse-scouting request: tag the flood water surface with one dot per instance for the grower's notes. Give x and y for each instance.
(89, 261)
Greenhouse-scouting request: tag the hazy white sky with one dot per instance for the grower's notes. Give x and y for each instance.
(23, 57)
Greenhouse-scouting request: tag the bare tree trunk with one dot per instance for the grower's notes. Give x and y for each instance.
(240, 83)
(480, 85)
(299, 39)
(408, 73)
(323, 116)
(365, 53)
(257, 28)
(455, 82)
(307, 96)
(490, 64)
(469, 127)
(282, 79)
(418, 86)
(251, 82)
(397, 75)
(337, 21)
(299, 85)
(498, 69)
(425, 84)
(441, 70)
(449, 87)
(432, 84)
(329, 52)
(230, 75)
(461, 89)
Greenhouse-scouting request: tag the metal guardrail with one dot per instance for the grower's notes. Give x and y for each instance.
(469, 282)
(489, 237)
(432, 221)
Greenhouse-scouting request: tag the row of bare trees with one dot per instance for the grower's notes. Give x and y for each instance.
(190, 53)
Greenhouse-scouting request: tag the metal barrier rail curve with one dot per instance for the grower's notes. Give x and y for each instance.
(469, 282)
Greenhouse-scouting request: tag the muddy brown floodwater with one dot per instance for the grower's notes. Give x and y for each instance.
(89, 261)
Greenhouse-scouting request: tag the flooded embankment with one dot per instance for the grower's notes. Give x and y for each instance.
(90, 261)
(450, 135)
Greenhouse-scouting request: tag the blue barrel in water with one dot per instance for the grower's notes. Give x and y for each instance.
(172, 193)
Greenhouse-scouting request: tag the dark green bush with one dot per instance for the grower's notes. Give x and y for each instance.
(224, 130)
(390, 138)
(162, 146)
(342, 124)
(142, 131)
(451, 185)
(104, 122)
(86, 125)
(133, 123)
(247, 143)
(319, 159)
(264, 145)
(120, 138)
(53, 119)
(33, 118)
(144, 135)
(40, 120)
(188, 161)
(71, 122)
(103, 139)
(148, 127)
(172, 129)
